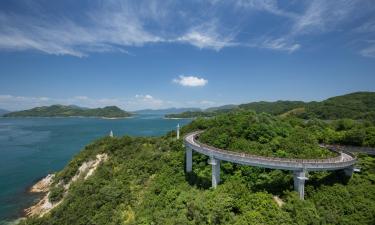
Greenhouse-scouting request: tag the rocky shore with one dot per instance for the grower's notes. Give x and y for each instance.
(44, 205)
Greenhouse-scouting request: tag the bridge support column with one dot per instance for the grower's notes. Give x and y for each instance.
(189, 159)
(349, 171)
(299, 183)
(215, 171)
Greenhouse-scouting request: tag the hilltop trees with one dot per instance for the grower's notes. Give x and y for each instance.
(263, 134)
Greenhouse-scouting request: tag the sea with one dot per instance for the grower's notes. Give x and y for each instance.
(31, 148)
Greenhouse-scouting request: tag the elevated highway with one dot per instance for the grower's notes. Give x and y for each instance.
(343, 161)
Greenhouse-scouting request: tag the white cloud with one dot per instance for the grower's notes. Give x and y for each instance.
(317, 17)
(367, 27)
(147, 101)
(115, 25)
(368, 51)
(323, 16)
(81, 97)
(280, 44)
(207, 36)
(190, 81)
(207, 103)
(269, 6)
(105, 30)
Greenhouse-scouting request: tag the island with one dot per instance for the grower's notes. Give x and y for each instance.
(71, 111)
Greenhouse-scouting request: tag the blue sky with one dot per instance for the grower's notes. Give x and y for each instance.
(198, 53)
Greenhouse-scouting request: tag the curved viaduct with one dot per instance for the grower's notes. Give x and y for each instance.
(344, 161)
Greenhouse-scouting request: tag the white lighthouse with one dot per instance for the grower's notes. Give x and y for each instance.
(178, 131)
(111, 134)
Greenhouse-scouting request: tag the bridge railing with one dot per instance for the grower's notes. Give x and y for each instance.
(337, 159)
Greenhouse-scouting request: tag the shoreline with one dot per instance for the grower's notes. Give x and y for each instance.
(39, 189)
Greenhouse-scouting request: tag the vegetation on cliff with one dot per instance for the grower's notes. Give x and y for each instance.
(66, 111)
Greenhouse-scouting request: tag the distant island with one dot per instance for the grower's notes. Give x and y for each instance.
(3, 111)
(70, 111)
(166, 111)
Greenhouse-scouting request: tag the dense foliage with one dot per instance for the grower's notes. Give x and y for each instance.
(192, 114)
(359, 105)
(143, 182)
(56, 193)
(342, 131)
(65, 111)
(274, 108)
(262, 134)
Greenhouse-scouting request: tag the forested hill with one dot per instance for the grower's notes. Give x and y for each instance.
(358, 105)
(66, 111)
(143, 179)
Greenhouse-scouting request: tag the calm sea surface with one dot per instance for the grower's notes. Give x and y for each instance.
(30, 148)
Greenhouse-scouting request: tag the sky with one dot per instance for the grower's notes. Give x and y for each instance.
(199, 53)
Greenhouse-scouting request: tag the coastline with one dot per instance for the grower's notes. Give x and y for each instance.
(40, 187)
(43, 205)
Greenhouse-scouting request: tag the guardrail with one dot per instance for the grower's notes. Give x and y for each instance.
(344, 159)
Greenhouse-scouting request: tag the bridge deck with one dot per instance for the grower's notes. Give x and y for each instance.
(342, 161)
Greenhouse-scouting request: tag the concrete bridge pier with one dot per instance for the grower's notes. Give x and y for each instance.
(349, 171)
(215, 171)
(299, 178)
(189, 159)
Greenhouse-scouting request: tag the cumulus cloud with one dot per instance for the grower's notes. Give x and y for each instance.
(190, 81)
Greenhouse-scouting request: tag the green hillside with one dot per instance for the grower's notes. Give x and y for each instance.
(262, 134)
(273, 108)
(66, 111)
(358, 105)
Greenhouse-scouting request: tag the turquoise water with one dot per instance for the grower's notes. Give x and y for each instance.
(30, 148)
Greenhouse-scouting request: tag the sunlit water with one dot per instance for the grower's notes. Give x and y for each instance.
(30, 148)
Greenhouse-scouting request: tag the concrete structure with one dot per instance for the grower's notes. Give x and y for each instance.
(178, 131)
(111, 134)
(189, 159)
(299, 178)
(344, 161)
(215, 171)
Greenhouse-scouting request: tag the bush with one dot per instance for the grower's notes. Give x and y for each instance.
(56, 193)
